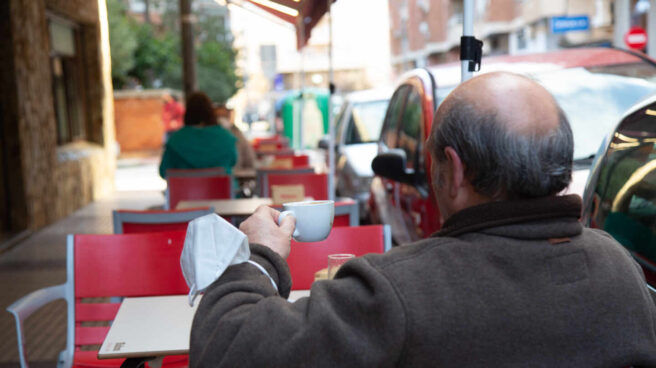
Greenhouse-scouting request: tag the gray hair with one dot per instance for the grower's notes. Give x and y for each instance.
(501, 163)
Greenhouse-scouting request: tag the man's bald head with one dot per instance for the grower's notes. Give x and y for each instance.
(510, 133)
(522, 105)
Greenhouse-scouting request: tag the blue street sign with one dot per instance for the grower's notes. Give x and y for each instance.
(570, 23)
(278, 83)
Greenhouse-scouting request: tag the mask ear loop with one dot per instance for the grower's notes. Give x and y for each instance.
(273, 283)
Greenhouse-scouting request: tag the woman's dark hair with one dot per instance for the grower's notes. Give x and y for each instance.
(199, 110)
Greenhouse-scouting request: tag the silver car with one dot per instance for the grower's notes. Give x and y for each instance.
(357, 129)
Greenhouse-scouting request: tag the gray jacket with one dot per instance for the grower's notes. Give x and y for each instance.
(505, 284)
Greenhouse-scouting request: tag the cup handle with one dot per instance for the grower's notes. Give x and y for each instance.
(284, 214)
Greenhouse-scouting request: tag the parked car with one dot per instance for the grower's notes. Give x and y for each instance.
(620, 197)
(594, 86)
(357, 129)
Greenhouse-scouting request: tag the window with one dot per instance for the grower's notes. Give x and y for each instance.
(391, 122)
(339, 121)
(66, 66)
(365, 122)
(625, 187)
(410, 132)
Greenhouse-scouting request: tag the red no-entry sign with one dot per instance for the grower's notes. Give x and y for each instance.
(636, 38)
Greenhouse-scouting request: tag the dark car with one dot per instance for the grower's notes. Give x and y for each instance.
(620, 197)
(594, 86)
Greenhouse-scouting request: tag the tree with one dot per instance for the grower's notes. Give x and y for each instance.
(152, 55)
(216, 71)
(157, 60)
(122, 42)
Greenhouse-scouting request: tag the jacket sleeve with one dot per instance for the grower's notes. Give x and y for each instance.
(356, 320)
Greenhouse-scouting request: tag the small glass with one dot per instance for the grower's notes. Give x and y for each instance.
(335, 261)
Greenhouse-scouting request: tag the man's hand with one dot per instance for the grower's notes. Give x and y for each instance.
(262, 228)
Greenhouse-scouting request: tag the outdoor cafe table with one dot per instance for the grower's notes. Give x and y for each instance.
(153, 327)
(228, 207)
(244, 174)
(237, 206)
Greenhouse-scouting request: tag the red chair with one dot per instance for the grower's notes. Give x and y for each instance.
(198, 186)
(262, 177)
(279, 151)
(276, 142)
(295, 160)
(305, 259)
(106, 266)
(314, 185)
(131, 222)
(347, 213)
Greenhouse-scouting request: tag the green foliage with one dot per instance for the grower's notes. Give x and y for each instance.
(157, 58)
(216, 71)
(153, 56)
(122, 41)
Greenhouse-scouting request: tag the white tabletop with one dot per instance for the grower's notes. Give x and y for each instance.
(150, 326)
(155, 326)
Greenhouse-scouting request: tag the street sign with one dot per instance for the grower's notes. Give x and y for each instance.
(570, 23)
(636, 38)
(278, 83)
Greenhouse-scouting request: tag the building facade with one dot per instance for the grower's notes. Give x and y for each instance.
(57, 133)
(272, 65)
(426, 32)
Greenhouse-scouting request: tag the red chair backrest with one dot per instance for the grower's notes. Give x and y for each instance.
(149, 221)
(314, 185)
(277, 141)
(129, 265)
(201, 187)
(305, 259)
(297, 160)
(136, 228)
(122, 265)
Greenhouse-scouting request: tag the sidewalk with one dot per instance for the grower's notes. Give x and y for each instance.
(40, 261)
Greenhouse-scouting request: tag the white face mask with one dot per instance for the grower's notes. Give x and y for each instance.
(211, 245)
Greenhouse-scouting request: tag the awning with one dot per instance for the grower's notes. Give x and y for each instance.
(303, 14)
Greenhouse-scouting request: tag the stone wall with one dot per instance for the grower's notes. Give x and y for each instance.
(36, 116)
(80, 173)
(57, 180)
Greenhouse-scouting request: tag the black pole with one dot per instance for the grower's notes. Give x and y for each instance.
(188, 53)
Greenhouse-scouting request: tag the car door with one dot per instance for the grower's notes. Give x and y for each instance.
(415, 199)
(384, 201)
(620, 197)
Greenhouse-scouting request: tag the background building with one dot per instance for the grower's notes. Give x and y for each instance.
(57, 132)
(268, 56)
(425, 32)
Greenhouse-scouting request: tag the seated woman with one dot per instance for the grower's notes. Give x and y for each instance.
(201, 143)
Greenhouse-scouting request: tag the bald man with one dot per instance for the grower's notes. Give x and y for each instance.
(512, 279)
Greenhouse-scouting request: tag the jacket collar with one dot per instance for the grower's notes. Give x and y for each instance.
(494, 214)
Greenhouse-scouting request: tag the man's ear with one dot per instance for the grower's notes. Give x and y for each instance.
(456, 171)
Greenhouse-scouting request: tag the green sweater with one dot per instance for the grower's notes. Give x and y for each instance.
(199, 148)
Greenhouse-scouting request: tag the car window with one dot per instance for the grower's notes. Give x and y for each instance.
(594, 99)
(391, 122)
(339, 121)
(365, 122)
(410, 131)
(624, 188)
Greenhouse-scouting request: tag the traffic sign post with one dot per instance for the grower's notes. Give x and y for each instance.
(636, 38)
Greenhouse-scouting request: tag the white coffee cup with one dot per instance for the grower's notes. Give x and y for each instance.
(314, 219)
